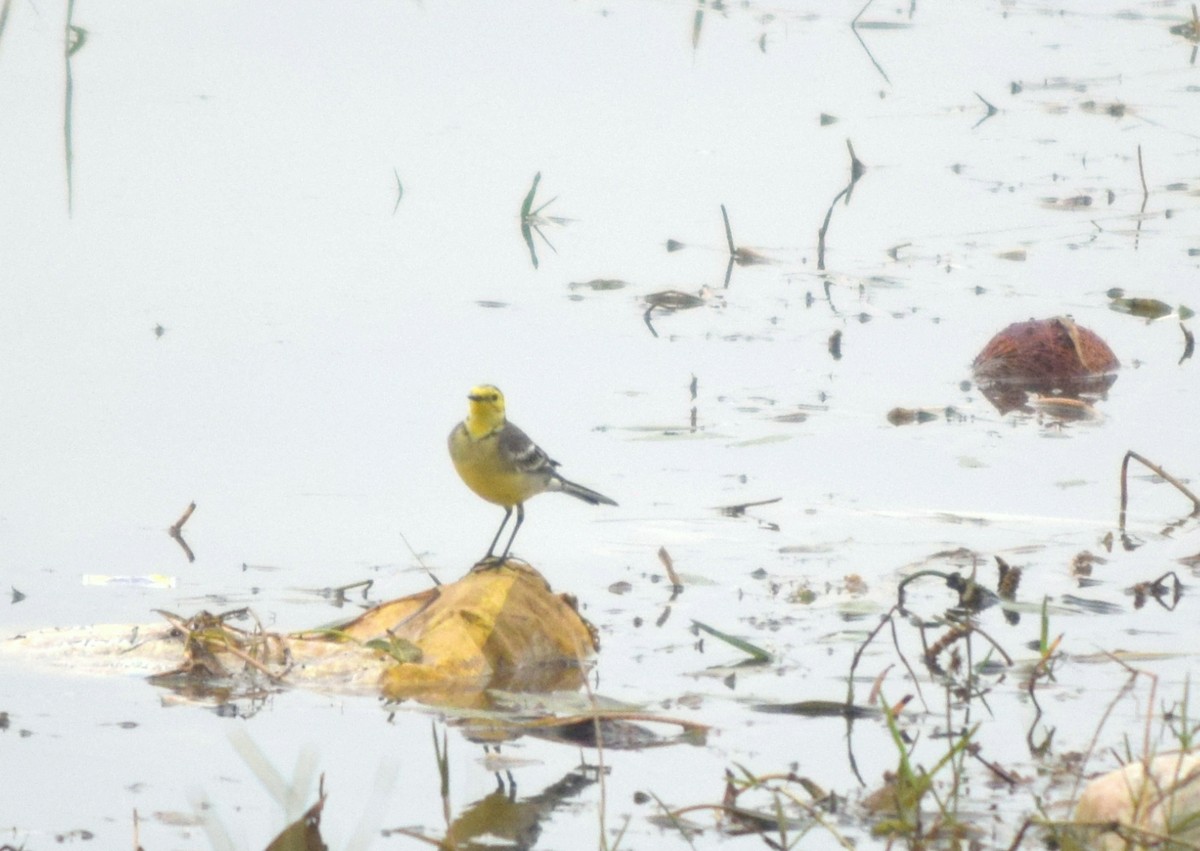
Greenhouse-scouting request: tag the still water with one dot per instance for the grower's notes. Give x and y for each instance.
(291, 242)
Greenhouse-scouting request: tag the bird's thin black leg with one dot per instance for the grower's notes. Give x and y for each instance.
(513, 537)
(495, 540)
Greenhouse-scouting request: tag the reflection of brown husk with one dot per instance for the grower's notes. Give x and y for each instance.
(1044, 357)
(498, 627)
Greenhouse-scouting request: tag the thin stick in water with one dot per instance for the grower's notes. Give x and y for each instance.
(1157, 470)
(728, 231)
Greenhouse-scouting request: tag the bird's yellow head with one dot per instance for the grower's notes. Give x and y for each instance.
(486, 411)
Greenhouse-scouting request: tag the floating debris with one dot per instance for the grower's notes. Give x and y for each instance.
(670, 301)
(1146, 308)
(676, 299)
(1074, 202)
(599, 284)
(1189, 29)
(818, 709)
(739, 510)
(908, 416)
(1044, 357)
(1064, 407)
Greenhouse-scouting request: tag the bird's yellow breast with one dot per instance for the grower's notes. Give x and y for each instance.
(482, 467)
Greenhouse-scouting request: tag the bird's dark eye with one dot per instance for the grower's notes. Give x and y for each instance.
(492, 397)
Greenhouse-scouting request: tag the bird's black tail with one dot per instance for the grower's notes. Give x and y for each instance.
(586, 494)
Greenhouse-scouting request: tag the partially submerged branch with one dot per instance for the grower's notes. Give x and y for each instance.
(176, 531)
(857, 169)
(1159, 471)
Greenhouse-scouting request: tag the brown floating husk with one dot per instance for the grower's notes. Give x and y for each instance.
(1044, 357)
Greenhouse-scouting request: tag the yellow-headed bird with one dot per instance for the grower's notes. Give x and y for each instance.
(500, 463)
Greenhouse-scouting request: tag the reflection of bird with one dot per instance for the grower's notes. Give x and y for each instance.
(502, 820)
(500, 463)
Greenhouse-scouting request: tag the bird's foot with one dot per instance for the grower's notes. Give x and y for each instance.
(489, 562)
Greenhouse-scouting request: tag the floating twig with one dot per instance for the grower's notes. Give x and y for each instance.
(671, 300)
(646, 319)
(728, 231)
(75, 38)
(740, 509)
(991, 110)
(1137, 235)
(863, 44)
(857, 169)
(741, 256)
(1004, 774)
(399, 191)
(1142, 175)
(669, 566)
(1157, 470)
(818, 709)
(1158, 589)
(176, 531)
(183, 518)
(338, 594)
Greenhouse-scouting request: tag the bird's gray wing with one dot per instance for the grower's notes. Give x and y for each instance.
(524, 454)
